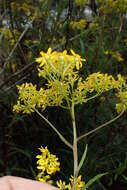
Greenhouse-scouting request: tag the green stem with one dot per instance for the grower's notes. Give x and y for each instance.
(53, 127)
(75, 150)
(101, 126)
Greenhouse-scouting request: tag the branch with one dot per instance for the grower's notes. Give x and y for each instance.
(26, 67)
(17, 82)
(101, 126)
(3, 15)
(17, 43)
(53, 127)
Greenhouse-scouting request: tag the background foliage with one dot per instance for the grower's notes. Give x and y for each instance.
(97, 31)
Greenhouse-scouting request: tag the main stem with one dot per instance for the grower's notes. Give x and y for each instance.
(75, 149)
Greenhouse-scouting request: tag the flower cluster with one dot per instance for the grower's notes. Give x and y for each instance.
(64, 84)
(60, 70)
(78, 185)
(27, 99)
(58, 64)
(25, 8)
(97, 83)
(78, 24)
(123, 101)
(115, 54)
(94, 25)
(8, 36)
(117, 6)
(48, 165)
(81, 2)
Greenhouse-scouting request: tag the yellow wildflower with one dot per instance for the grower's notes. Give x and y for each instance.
(78, 185)
(93, 25)
(81, 2)
(78, 60)
(47, 164)
(44, 178)
(117, 6)
(78, 24)
(62, 185)
(27, 100)
(123, 101)
(98, 82)
(63, 82)
(115, 54)
(58, 63)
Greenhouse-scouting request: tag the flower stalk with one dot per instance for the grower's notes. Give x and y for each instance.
(54, 128)
(101, 126)
(75, 149)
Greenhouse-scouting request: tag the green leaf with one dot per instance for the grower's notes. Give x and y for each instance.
(82, 159)
(125, 177)
(95, 178)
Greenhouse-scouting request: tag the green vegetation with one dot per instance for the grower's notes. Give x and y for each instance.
(82, 96)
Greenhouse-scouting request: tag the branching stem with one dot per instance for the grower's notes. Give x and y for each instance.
(53, 127)
(101, 126)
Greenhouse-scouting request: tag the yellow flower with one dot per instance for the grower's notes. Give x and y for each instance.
(114, 54)
(78, 185)
(44, 57)
(44, 178)
(61, 184)
(58, 64)
(109, 6)
(63, 82)
(78, 24)
(81, 2)
(93, 25)
(47, 164)
(28, 98)
(78, 60)
(117, 56)
(107, 52)
(123, 101)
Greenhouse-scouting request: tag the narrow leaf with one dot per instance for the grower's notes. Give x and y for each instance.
(82, 159)
(95, 178)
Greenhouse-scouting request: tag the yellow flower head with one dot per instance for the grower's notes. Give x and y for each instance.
(27, 100)
(47, 164)
(58, 63)
(78, 185)
(111, 6)
(78, 24)
(115, 54)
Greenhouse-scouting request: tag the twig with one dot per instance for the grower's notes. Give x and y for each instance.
(2, 33)
(16, 74)
(17, 43)
(17, 82)
(69, 15)
(53, 127)
(101, 126)
(2, 16)
(70, 40)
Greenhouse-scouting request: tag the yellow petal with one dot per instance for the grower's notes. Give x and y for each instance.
(73, 53)
(38, 60)
(49, 51)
